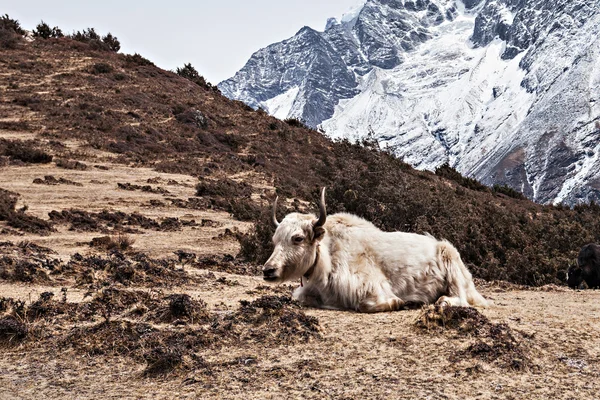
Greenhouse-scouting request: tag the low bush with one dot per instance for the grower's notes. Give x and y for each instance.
(101, 68)
(14, 125)
(111, 42)
(97, 42)
(223, 188)
(9, 24)
(18, 219)
(192, 117)
(70, 164)
(295, 122)
(8, 38)
(24, 151)
(85, 35)
(446, 171)
(137, 60)
(120, 242)
(43, 30)
(508, 191)
(190, 73)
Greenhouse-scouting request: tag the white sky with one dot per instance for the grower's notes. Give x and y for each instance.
(217, 37)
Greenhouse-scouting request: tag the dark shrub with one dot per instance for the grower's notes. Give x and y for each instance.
(193, 117)
(33, 102)
(70, 164)
(14, 125)
(43, 30)
(120, 242)
(10, 32)
(137, 60)
(223, 188)
(23, 151)
(18, 219)
(446, 171)
(96, 42)
(86, 36)
(111, 42)
(8, 39)
(161, 360)
(11, 330)
(190, 73)
(10, 24)
(244, 210)
(101, 68)
(508, 191)
(8, 200)
(295, 122)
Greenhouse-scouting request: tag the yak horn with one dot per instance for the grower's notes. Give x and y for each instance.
(274, 216)
(322, 211)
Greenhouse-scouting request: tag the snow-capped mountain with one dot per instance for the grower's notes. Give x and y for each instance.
(506, 91)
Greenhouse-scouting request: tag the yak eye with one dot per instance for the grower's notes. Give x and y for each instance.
(298, 239)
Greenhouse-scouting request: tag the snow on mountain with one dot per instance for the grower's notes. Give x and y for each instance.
(353, 12)
(504, 90)
(281, 106)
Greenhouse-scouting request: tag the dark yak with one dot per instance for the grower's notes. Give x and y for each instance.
(587, 268)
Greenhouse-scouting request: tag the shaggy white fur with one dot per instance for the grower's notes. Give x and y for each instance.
(351, 264)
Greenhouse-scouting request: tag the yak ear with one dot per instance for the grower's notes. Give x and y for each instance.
(318, 233)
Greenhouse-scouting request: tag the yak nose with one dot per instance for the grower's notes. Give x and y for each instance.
(269, 273)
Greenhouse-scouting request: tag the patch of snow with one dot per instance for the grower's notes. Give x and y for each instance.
(427, 108)
(353, 12)
(506, 15)
(280, 106)
(435, 87)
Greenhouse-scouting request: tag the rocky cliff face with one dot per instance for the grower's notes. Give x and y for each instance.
(504, 90)
(307, 75)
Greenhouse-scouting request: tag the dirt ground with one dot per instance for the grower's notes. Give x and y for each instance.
(359, 356)
(353, 355)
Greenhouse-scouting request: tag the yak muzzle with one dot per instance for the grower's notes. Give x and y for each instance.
(270, 274)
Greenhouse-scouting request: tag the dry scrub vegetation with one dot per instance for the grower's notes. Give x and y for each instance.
(134, 220)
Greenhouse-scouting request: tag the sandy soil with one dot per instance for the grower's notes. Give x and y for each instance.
(100, 192)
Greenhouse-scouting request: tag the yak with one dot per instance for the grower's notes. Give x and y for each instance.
(348, 263)
(587, 268)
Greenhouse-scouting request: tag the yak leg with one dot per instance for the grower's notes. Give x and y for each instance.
(374, 304)
(454, 301)
(457, 296)
(455, 277)
(308, 298)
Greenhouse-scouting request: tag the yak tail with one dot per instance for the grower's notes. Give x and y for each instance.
(460, 281)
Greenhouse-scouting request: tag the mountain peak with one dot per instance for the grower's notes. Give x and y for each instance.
(501, 89)
(331, 22)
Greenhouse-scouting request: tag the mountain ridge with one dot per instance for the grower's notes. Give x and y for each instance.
(477, 84)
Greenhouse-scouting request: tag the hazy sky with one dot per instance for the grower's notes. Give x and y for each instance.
(217, 37)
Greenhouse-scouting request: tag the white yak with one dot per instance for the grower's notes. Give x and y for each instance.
(346, 262)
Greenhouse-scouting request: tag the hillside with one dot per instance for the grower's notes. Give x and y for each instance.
(134, 220)
(60, 91)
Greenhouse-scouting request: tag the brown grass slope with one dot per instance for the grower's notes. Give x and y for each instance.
(63, 90)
